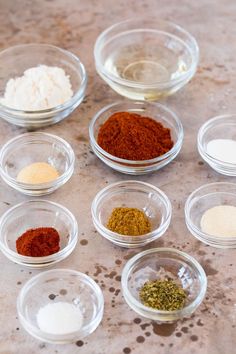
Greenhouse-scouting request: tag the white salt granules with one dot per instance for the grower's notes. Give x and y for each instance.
(220, 221)
(222, 149)
(39, 88)
(59, 318)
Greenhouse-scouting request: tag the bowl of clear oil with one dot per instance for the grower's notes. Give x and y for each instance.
(146, 59)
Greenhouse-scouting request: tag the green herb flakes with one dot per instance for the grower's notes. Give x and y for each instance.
(162, 295)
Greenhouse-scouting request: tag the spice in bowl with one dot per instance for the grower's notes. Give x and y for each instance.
(131, 136)
(36, 173)
(163, 295)
(42, 87)
(222, 149)
(129, 221)
(219, 221)
(59, 318)
(39, 242)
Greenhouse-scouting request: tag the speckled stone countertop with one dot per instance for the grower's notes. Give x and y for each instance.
(74, 25)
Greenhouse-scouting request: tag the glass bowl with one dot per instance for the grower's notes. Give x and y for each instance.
(146, 59)
(156, 111)
(132, 194)
(33, 214)
(204, 198)
(15, 60)
(222, 127)
(29, 148)
(164, 263)
(60, 285)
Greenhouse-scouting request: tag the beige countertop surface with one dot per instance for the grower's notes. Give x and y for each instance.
(75, 25)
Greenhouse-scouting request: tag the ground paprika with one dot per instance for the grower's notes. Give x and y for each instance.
(131, 136)
(38, 242)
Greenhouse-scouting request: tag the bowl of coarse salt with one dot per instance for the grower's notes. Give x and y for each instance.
(60, 306)
(217, 143)
(210, 214)
(40, 84)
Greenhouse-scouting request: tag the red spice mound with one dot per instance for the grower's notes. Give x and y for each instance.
(39, 242)
(134, 137)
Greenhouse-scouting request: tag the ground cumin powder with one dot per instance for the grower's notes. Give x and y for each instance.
(134, 137)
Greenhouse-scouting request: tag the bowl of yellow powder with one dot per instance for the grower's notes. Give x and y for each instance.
(36, 163)
(131, 213)
(210, 214)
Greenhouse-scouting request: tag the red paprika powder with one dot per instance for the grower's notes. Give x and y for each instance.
(134, 137)
(39, 242)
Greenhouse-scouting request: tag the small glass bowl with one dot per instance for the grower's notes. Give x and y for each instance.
(146, 59)
(221, 127)
(132, 194)
(204, 198)
(163, 263)
(67, 286)
(15, 60)
(29, 148)
(156, 111)
(33, 214)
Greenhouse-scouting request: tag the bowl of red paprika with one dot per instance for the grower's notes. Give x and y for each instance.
(38, 233)
(136, 137)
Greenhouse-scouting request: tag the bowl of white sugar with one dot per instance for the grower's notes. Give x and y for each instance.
(60, 306)
(217, 143)
(40, 84)
(210, 214)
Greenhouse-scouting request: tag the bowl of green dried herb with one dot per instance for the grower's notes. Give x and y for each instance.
(163, 284)
(131, 213)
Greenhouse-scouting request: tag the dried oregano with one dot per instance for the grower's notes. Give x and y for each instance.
(162, 295)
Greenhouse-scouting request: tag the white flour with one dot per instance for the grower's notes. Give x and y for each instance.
(39, 88)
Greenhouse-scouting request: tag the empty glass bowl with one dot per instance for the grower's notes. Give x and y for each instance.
(222, 127)
(146, 59)
(156, 111)
(15, 60)
(60, 285)
(132, 194)
(31, 215)
(204, 198)
(29, 148)
(164, 264)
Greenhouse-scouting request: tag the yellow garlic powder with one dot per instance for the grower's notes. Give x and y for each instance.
(38, 172)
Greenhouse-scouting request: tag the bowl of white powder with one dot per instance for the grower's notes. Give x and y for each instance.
(210, 214)
(60, 306)
(40, 84)
(217, 143)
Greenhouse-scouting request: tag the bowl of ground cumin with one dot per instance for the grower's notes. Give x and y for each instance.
(136, 137)
(131, 214)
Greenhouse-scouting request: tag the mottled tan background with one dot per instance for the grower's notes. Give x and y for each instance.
(74, 25)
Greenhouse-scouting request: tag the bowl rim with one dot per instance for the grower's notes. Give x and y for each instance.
(45, 259)
(162, 250)
(176, 146)
(207, 126)
(34, 280)
(188, 205)
(119, 237)
(76, 95)
(45, 185)
(130, 83)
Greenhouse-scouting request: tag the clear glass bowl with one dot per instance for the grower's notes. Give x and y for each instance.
(204, 198)
(15, 60)
(29, 148)
(132, 194)
(153, 110)
(222, 127)
(67, 286)
(146, 59)
(164, 263)
(33, 214)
